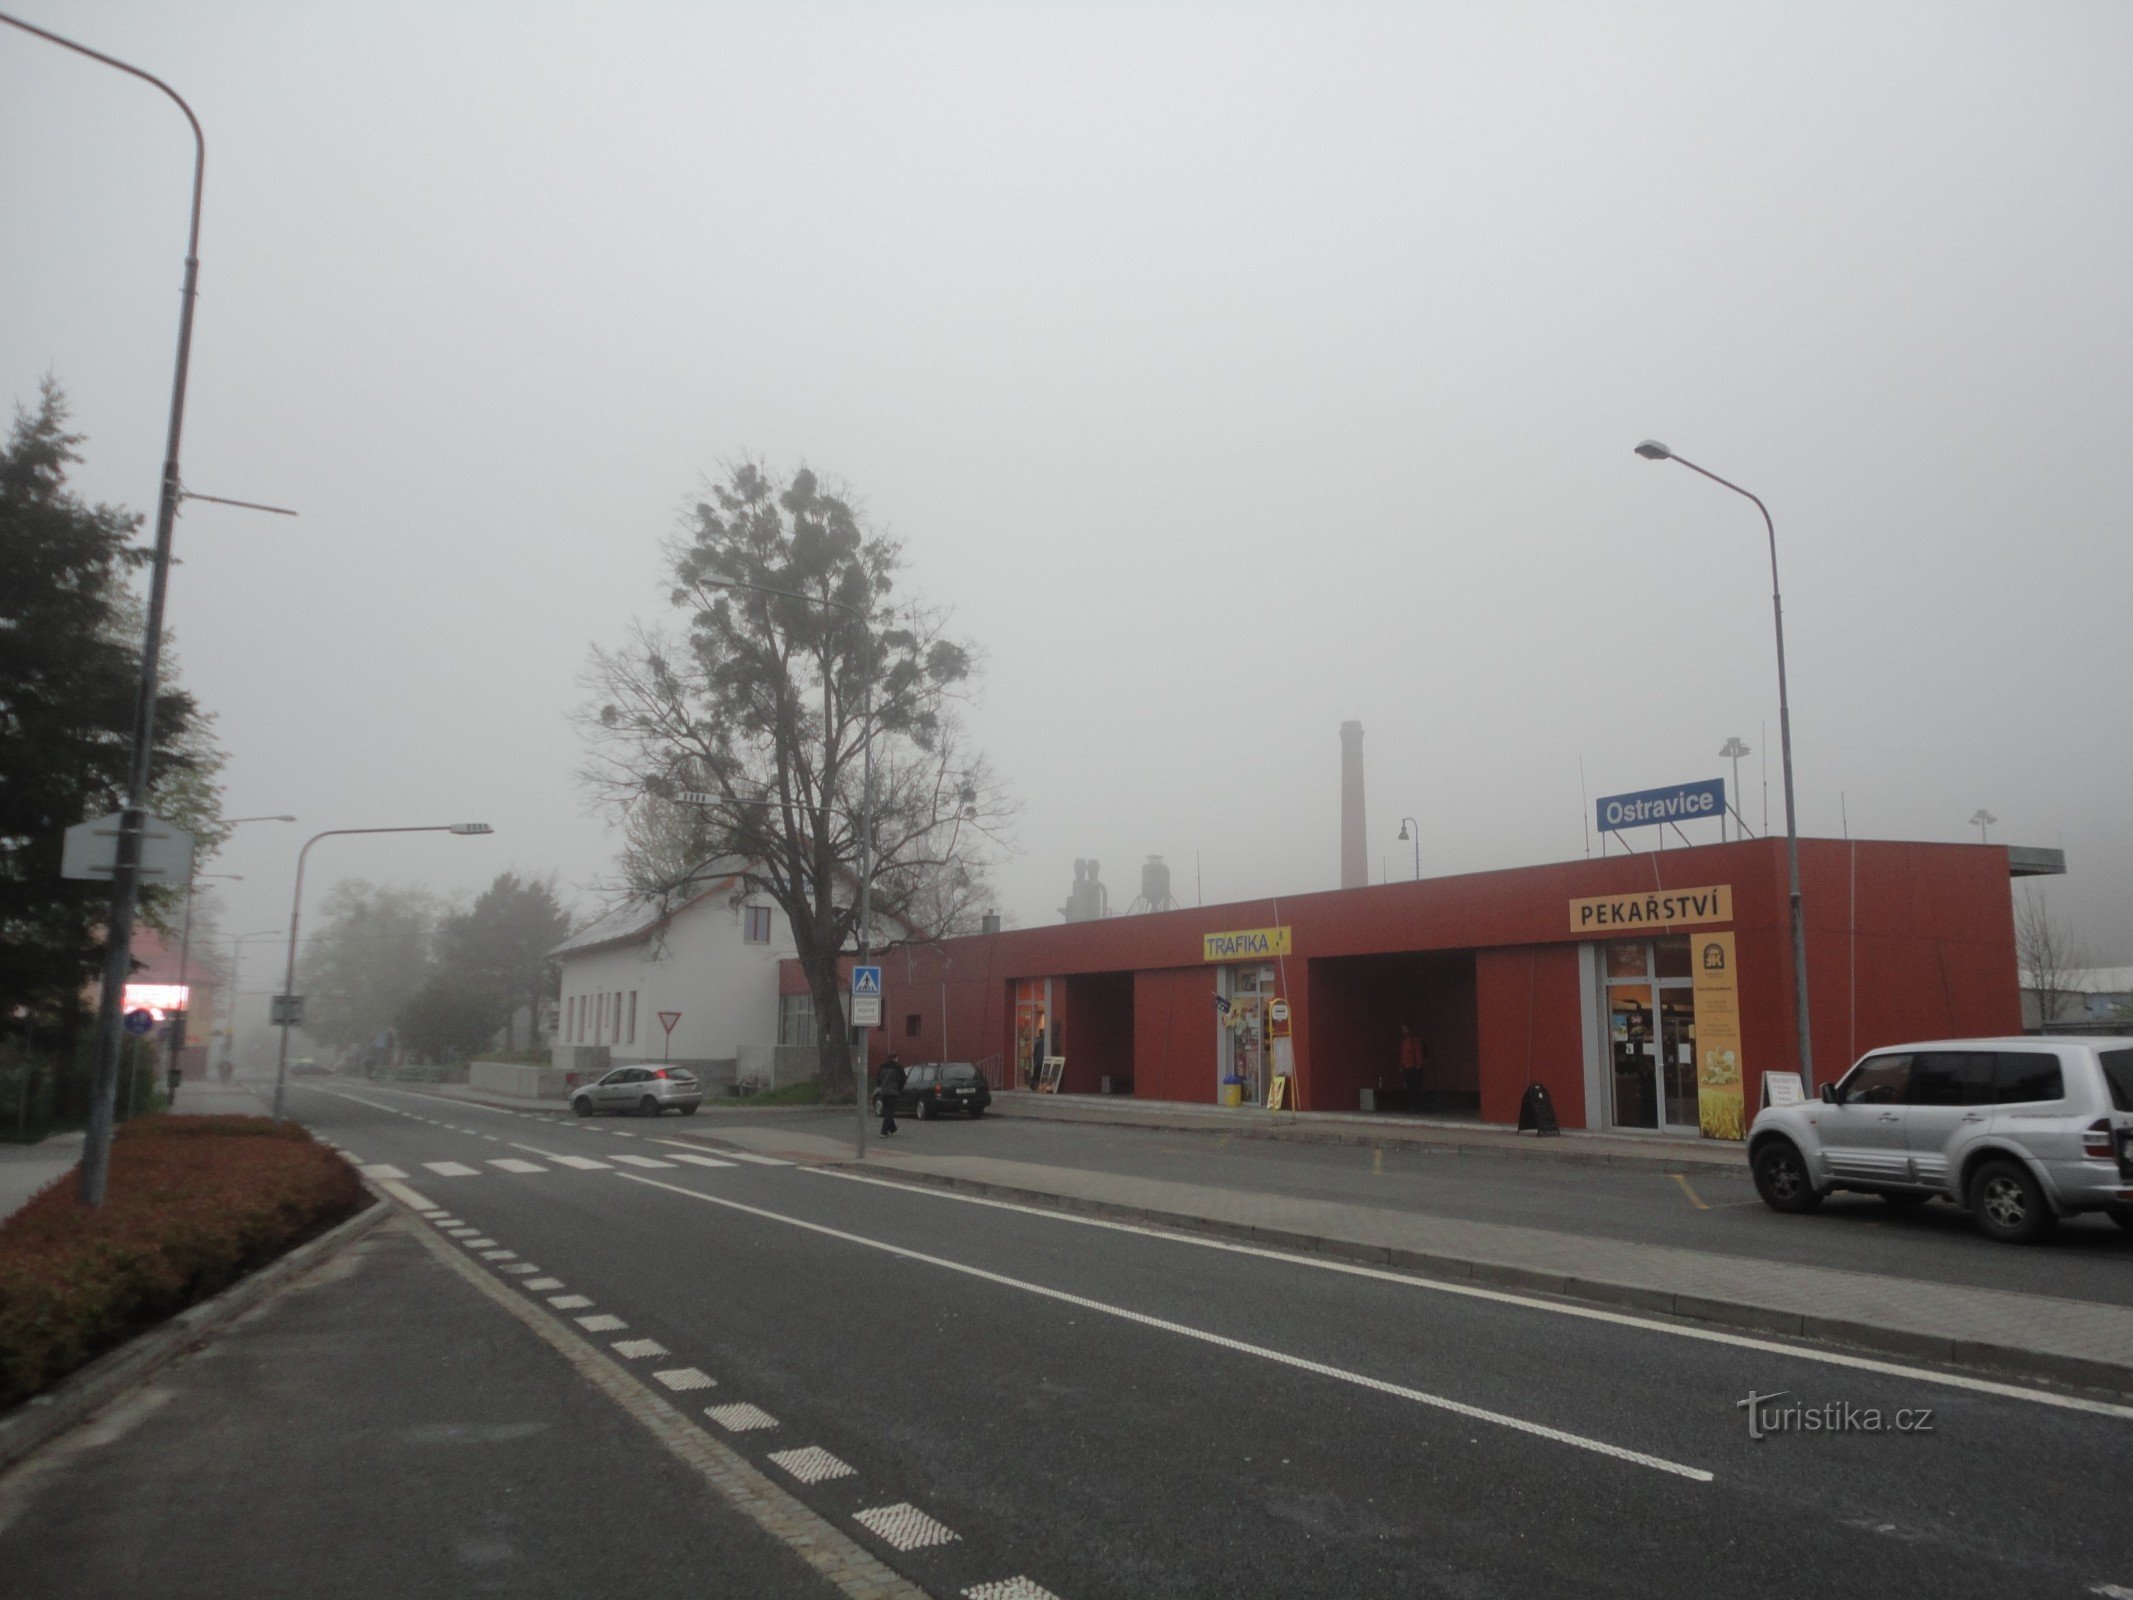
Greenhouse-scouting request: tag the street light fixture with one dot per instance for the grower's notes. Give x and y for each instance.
(296, 904)
(1733, 749)
(1981, 820)
(1653, 450)
(1405, 824)
(856, 1035)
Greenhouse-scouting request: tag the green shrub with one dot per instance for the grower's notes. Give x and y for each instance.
(193, 1203)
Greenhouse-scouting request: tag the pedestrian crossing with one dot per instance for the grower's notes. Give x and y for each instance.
(525, 1166)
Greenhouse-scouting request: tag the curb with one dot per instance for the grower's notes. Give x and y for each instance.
(1394, 1139)
(1999, 1360)
(71, 1400)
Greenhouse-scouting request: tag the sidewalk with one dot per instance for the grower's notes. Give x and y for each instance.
(2031, 1336)
(378, 1428)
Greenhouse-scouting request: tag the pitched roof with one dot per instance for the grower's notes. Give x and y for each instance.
(642, 915)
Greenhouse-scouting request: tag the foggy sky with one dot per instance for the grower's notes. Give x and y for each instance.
(1229, 371)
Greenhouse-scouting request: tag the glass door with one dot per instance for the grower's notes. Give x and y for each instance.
(1651, 1033)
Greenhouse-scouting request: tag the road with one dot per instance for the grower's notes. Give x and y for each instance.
(982, 1393)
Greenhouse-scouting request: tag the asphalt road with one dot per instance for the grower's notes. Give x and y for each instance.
(2086, 1258)
(1104, 1411)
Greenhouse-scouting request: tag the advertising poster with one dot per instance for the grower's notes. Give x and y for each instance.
(1718, 1051)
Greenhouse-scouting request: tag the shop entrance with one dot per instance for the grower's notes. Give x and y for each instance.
(1033, 1023)
(1651, 1033)
(1241, 1042)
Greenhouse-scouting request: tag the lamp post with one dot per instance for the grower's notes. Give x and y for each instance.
(855, 1038)
(1653, 450)
(1405, 824)
(296, 904)
(1982, 820)
(1733, 749)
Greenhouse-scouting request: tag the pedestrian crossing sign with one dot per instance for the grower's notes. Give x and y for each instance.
(866, 981)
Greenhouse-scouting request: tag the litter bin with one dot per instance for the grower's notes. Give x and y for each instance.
(1233, 1091)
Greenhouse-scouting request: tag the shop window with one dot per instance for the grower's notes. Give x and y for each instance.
(1673, 950)
(1626, 959)
(755, 924)
(911, 1025)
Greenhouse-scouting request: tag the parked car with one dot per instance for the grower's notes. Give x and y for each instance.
(2020, 1132)
(934, 1087)
(645, 1091)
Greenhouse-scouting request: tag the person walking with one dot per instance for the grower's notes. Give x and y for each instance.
(888, 1085)
(1411, 1065)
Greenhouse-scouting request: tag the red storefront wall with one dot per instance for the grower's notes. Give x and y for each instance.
(1905, 941)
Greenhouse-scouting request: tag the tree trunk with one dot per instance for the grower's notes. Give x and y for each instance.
(833, 1039)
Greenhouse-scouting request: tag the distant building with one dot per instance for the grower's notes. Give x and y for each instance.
(2082, 1000)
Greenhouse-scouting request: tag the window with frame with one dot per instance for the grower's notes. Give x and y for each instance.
(633, 1017)
(796, 1019)
(911, 1024)
(617, 1015)
(755, 924)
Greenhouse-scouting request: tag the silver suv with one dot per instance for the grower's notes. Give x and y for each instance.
(646, 1091)
(2021, 1132)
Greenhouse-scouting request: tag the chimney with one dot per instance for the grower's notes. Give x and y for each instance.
(1355, 863)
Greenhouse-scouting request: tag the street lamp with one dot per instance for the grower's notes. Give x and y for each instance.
(1653, 450)
(1405, 824)
(856, 1036)
(1733, 749)
(1982, 819)
(296, 903)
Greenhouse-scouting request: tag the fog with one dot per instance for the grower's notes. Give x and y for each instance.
(1229, 371)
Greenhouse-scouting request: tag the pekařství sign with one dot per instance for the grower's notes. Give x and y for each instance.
(1684, 802)
(1249, 945)
(1660, 908)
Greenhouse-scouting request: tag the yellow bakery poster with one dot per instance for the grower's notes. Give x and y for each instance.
(1719, 1068)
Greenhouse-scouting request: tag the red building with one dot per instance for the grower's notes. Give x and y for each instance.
(1647, 991)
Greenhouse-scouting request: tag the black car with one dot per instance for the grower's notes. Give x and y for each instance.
(933, 1088)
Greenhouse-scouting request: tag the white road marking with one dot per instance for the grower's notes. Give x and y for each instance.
(812, 1465)
(479, 1244)
(904, 1527)
(698, 1161)
(380, 1170)
(740, 1417)
(520, 1267)
(407, 1197)
(681, 1379)
(638, 1349)
(1015, 1588)
(645, 1161)
(570, 1302)
(601, 1323)
(446, 1223)
(1221, 1341)
(1622, 1319)
(452, 1169)
(582, 1163)
(432, 1211)
(463, 1231)
(2112, 1591)
(516, 1164)
(499, 1255)
(542, 1285)
(760, 1161)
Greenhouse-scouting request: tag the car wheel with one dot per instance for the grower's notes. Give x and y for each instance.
(925, 1110)
(2008, 1203)
(582, 1106)
(2122, 1215)
(1781, 1178)
(648, 1106)
(1902, 1201)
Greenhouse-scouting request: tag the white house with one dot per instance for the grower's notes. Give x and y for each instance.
(707, 955)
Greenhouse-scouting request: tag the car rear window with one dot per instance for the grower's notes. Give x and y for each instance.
(961, 1073)
(2118, 1073)
(2021, 1076)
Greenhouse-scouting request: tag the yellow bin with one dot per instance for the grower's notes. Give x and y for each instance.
(1233, 1094)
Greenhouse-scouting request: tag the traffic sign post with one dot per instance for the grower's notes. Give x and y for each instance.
(140, 1023)
(667, 1019)
(286, 1011)
(866, 997)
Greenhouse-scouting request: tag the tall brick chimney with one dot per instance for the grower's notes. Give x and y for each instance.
(1355, 862)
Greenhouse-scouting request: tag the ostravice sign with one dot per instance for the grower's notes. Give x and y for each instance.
(1683, 802)
(1658, 908)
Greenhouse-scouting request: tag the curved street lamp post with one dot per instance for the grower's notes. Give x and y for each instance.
(1653, 450)
(296, 902)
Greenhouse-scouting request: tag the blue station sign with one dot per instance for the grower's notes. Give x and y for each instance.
(1683, 802)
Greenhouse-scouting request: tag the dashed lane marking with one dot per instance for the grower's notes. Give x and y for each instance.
(1015, 1588)
(812, 1465)
(741, 1417)
(904, 1527)
(452, 1169)
(570, 1302)
(582, 1163)
(602, 1322)
(499, 1255)
(645, 1161)
(407, 1197)
(541, 1285)
(380, 1170)
(638, 1349)
(683, 1379)
(516, 1164)
(1281, 1358)
(479, 1244)
(696, 1160)
(462, 1231)
(521, 1267)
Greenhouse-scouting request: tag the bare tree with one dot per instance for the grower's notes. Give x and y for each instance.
(796, 654)
(2050, 958)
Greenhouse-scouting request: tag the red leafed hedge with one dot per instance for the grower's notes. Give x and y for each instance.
(193, 1203)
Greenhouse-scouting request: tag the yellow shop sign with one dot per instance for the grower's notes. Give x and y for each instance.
(1661, 908)
(1250, 945)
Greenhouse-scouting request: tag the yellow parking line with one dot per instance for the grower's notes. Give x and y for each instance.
(1695, 1199)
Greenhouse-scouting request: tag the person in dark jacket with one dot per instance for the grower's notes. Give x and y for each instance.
(888, 1085)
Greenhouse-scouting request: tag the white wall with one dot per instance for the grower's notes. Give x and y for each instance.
(725, 988)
